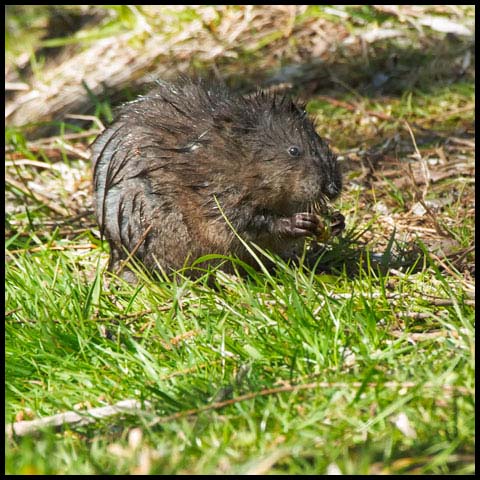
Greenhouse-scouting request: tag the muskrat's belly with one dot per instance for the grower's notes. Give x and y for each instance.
(283, 247)
(167, 235)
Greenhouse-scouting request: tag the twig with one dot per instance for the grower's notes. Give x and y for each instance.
(295, 388)
(16, 86)
(137, 246)
(68, 230)
(44, 142)
(76, 151)
(439, 302)
(34, 163)
(74, 418)
(92, 118)
(89, 246)
(447, 268)
(457, 257)
(448, 302)
(417, 315)
(462, 141)
(423, 336)
(418, 156)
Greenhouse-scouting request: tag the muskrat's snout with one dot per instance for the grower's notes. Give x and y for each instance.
(330, 180)
(327, 168)
(333, 189)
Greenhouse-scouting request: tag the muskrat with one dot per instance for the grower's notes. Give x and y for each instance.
(180, 159)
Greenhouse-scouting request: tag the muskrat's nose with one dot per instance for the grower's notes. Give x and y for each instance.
(333, 189)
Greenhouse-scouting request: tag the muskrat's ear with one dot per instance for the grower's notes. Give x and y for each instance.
(295, 106)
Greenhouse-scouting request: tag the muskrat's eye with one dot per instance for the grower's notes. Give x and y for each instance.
(293, 151)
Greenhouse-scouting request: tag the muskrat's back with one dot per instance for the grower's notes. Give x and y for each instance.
(172, 156)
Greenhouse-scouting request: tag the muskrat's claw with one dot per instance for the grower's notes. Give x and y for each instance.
(337, 223)
(299, 225)
(330, 225)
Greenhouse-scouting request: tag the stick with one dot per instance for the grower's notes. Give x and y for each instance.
(295, 388)
(88, 246)
(135, 248)
(73, 418)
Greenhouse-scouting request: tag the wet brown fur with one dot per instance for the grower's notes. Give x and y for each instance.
(170, 154)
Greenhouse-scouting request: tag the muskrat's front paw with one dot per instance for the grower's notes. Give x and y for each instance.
(298, 225)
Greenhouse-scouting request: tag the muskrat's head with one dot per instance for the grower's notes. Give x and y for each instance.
(261, 147)
(286, 160)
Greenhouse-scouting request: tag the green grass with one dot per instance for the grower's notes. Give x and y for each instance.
(182, 346)
(365, 367)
